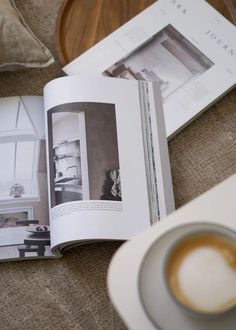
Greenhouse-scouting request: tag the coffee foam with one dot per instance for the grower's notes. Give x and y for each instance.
(202, 272)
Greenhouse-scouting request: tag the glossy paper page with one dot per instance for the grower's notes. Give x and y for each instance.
(96, 161)
(187, 46)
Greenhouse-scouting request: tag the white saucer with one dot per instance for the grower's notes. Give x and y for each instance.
(161, 310)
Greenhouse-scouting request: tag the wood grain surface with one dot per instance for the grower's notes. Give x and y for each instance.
(82, 23)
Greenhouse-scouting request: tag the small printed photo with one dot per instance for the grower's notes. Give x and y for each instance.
(83, 153)
(168, 57)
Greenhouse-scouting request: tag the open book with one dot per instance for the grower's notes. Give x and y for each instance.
(186, 45)
(87, 161)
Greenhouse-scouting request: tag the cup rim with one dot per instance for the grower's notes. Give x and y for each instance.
(221, 231)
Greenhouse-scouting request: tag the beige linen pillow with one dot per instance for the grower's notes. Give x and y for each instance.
(19, 48)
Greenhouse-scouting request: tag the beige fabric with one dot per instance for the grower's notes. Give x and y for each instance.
(19, 46)
(71, 293)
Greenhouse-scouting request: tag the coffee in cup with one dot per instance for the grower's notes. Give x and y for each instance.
(200, 272)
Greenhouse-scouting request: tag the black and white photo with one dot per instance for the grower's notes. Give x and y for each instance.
(168, 57)
(24, 221)
(83, 149)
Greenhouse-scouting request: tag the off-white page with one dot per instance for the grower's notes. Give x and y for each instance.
(90, 218)
(186, 45)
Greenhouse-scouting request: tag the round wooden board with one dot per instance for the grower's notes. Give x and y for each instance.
(82, 23)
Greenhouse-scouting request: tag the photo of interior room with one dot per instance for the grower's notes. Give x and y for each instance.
(67, 134)
(82, 149)
(23, 178)
(168, 57)
(20, 145)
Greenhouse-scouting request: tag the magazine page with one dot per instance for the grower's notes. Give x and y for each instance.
(186, 45)
(96, 160)
(24, 217)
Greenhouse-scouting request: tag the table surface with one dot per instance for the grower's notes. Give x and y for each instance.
(81, 24)
(17, 235)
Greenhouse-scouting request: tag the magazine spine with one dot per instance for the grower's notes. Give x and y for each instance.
(150, 164)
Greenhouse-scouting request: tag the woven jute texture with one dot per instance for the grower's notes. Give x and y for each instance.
(71, 293)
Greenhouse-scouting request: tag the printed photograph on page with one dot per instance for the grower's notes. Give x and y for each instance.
(24, 223)
(83, 153)
(168, 57)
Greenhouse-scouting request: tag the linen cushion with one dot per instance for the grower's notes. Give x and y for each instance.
(19, 47)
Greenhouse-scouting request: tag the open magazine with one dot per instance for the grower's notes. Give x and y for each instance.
(87, 161)
(187, 46)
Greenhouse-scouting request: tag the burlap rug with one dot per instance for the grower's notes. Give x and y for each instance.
(71, 293)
